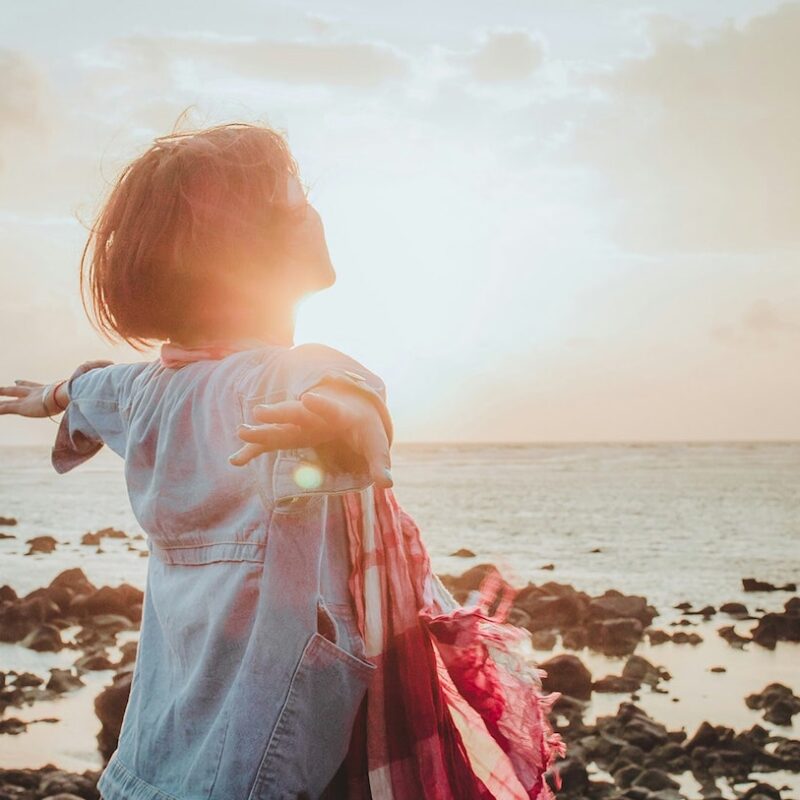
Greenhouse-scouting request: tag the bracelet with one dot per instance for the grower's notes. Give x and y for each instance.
(55, 395)
(51, 388)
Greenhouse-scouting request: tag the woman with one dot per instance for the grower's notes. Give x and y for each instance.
(294, 642)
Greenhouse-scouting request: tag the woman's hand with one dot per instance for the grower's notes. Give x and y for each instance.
(29, 394)
(329, 414)
(28, 402)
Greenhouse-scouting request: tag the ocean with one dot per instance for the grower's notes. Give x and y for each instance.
(672, 522)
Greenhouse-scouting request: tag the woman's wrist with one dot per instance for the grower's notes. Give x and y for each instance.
(55, 398)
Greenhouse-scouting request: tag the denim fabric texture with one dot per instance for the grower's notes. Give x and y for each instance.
(250, 669)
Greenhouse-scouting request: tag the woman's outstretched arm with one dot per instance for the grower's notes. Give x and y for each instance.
(32, 399)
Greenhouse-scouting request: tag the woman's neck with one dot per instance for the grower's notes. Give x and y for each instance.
(270, 327)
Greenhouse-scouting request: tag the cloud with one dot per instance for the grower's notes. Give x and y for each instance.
(698, 140)
(22, 94)
(763, 324)
(504, 56)
(339, 64)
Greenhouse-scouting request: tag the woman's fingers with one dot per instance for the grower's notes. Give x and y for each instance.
(271, 437)
(286, 411)
(245, 454)
(9, 407)
(375, 449)
(15, 391)
(337, 415)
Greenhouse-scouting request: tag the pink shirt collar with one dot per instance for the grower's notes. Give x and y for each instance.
(174, 355)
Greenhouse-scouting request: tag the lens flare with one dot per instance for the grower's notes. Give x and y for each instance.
(308, 476)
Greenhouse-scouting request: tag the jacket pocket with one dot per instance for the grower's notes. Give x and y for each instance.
(312, 735)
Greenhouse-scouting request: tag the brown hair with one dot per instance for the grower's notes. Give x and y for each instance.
(190, 215)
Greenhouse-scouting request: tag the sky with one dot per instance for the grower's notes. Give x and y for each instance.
(551, 221)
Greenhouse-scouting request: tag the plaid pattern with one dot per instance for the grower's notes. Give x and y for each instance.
(455, 710)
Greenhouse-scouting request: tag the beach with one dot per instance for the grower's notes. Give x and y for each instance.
(625, 558)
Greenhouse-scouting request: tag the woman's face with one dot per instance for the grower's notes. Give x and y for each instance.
(308, 262)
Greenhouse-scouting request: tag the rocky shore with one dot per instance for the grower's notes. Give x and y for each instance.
(623, 755)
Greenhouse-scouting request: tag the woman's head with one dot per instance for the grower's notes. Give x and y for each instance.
(205, 235)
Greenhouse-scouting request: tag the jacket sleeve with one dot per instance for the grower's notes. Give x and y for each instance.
(93, 417)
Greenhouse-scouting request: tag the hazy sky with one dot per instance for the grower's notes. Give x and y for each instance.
(551, 221)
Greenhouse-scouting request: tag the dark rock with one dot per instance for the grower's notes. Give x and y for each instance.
(112, 623)
(779, 702)
(615, 636)
(655, 779)
(7, 594)
(28, 679)
(551, 611)
(94, 662)
(629, 754)
(12, 726)
(110, 706)
(616, 684)
(574, 777)
(682, 637)
(543, 640)
(41, 544)
(718, 669)
(626, 775)
(774, 627)
(128, 651)
(728, 633)
(670, 756)
(753, 585)
(570, 707)
(763, 789)
(518, 617)
(575, 638)
(45, 637)
(74, 579)
(639, 729)
(789, 752)
(657, 636)
(614, 605)
(567, 674)
(641, 670)
(9, 521)
(94, 539)
(58, 783)
(548, 566)
(463, 552)
(665, 794)
(63, 796)
(114, 600)
(460, 586)
(738, 610)
(62, 680)
(706, 611)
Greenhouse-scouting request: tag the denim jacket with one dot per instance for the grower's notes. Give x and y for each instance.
(250, 669)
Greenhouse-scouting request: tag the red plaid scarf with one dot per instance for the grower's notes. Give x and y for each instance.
(455, 710)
